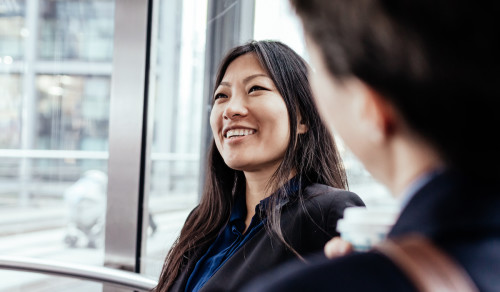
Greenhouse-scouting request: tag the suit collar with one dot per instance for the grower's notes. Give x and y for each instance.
(450, 203)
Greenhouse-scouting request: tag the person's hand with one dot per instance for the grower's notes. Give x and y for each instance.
(337, 247)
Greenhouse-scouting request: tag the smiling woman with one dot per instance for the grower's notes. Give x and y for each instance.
(275, 184)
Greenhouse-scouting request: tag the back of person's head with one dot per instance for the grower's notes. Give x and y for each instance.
(435, 61)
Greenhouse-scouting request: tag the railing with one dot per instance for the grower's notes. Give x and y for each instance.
(90, 273)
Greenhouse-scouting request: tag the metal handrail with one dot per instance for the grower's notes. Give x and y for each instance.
(97, 274)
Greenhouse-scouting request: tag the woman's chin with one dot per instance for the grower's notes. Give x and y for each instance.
(237, 166)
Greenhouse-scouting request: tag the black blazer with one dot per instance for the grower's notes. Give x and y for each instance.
(305, 229)
(460, 216)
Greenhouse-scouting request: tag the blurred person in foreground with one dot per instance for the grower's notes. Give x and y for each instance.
(412, 87)
(275, 185)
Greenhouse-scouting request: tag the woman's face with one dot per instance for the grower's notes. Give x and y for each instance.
(249, 118)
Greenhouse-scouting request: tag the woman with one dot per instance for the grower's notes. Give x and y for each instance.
(275, 181)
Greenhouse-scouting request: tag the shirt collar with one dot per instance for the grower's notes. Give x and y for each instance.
(239, 210)
(417, 184)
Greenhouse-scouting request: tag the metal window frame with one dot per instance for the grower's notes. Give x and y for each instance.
(128, 136)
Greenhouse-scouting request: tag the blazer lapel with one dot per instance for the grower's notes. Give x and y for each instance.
(182, 278)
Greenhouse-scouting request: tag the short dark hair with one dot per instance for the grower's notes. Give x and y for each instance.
(436, 61)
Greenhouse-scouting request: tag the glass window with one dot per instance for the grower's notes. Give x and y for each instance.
(10, 111)
(72, 112)
(178, 58)
(12, 30)
(76, 30)
(275, 20)
(55, 67)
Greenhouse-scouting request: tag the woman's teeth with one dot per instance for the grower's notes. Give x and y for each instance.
(239, 132)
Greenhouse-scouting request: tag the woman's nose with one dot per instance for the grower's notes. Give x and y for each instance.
(235, 107)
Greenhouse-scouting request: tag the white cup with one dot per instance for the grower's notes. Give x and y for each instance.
(365, 227)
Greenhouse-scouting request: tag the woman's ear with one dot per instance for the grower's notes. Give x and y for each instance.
(301, 125)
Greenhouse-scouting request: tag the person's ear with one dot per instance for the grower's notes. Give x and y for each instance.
(378, 114)
(301, 125)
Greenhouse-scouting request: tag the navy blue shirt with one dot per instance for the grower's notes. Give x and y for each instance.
(231, 239)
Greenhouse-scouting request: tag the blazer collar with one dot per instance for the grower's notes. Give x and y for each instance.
(450, 202)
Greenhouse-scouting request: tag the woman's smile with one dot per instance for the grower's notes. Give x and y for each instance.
(238, 136)
(238, 133)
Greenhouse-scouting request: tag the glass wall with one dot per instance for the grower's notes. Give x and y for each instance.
(56, 65)
(176, 94)
(55, 70)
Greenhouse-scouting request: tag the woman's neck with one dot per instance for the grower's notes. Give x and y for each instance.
(257, 189)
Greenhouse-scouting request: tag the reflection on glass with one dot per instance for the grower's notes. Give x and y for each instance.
(72, 112)
(177, 90)
(76, 30)
(54, 107)
(10, 111)
(12, 30)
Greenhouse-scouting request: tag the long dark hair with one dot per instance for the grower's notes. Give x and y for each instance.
(312, 155)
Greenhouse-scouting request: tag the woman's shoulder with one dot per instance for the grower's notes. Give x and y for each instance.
(323, 194)
(316, 213)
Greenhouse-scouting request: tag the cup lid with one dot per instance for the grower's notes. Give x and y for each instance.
(374, 215)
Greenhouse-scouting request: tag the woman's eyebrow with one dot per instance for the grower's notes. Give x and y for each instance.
(245, 80)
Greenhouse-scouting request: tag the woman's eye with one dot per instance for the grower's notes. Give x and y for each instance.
(219, 95)
(255, 88)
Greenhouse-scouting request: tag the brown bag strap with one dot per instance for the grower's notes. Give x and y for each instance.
(430, 269)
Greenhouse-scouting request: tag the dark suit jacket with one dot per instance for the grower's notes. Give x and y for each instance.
(461, 216)
(305, 229)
